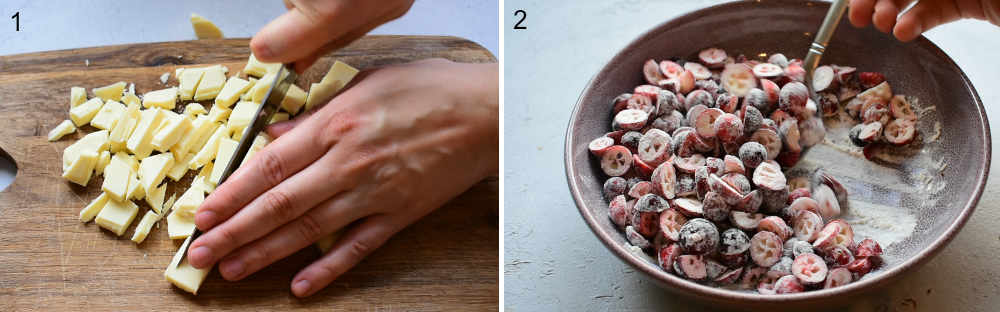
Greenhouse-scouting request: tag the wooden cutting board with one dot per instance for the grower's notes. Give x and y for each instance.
(51, 261)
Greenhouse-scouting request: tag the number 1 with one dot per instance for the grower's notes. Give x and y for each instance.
(17, 21)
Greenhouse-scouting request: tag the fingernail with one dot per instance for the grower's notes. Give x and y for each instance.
(206, 218)
(200, 255)
(233, 269)
(301, 287)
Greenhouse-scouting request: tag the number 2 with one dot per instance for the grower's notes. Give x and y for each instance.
(523, 16)
(17, 21)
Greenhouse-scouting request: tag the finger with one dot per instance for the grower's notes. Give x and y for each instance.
(885, 15)
(329, 216)
(922, 17)
(861, 12)
(278, 129)
(303, 64)
(277, 161)
(299, 32)
(355, 245)
(303, 30)
(307, 27)
(285, 202)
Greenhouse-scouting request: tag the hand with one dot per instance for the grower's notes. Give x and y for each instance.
(396, 145)
(922, 17)
(313, 28)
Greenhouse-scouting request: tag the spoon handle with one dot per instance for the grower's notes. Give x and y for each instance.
(822, 38)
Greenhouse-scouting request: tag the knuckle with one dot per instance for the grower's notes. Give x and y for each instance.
(256, 257)
(227, 237)
(360, 248)
(338, 123)
(271, 166)
(277, 204)
(309, 229)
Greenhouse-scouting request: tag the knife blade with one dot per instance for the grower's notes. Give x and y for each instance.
(275, 95)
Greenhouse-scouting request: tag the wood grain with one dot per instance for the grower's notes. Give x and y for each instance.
(51, 261)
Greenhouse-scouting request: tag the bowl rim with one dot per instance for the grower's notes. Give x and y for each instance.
(724, 295)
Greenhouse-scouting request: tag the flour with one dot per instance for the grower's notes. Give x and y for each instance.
(886, 195)
(885, 224)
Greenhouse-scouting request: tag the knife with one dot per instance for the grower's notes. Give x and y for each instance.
(272, 101)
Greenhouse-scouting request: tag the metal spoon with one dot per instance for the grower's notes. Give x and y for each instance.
(818, 46)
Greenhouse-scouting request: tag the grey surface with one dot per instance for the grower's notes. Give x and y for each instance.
(68, 24)
(553, 262)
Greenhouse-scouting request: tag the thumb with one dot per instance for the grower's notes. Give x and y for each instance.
(310, 26)
(296, 34)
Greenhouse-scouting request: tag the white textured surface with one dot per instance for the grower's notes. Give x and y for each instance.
(552, 260)
(68, 24)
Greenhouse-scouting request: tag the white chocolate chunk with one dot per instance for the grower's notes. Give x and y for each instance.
(117, 215)
(295, 97)
(226, 149)
(188, 203)
(278, 117)
(182, 274)
(194, 109)
(180, 167)
(111, 92)
(77, 96)
(102, 161)
(167, 204)
(207, 152)
(117, 176)
(64, 128)
(189, 79)
(211, 83)
(202, 183)
(155, 196)
(259, 90)
(153, 169)
(123, 128)
(178, 226)
(139, 143)
(108, 115)
(219, 114)
(201, 129)
(144, 226)
(165, 98)
(204, 28)
(242, 115)
(247, 95)
(135, 189)
(231, 92)
(237, 133)
(258, 144)
(173, 131)
(128, 159)
(130, 99)
(90, 211)
(81, 169)
(83, 113)
(94, 142)
(257, 69)
(340, 75)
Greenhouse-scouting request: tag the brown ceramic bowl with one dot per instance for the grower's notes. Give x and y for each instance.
(918, 68)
